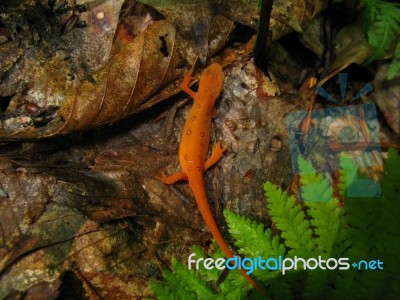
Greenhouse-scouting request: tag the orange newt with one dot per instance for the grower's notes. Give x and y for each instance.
(194, 148)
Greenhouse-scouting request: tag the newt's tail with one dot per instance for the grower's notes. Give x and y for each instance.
(197, 186)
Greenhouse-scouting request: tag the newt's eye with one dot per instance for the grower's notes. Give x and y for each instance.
(188, 132)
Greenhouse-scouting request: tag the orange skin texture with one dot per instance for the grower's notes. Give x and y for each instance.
(194, 148)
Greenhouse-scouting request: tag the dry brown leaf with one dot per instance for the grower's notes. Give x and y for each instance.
(26, 200)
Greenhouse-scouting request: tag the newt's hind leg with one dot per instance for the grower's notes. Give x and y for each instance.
(173, 178)
(186, 81)
(216, 154)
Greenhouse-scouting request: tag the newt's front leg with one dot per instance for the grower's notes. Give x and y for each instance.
(185, 83)
(216, 154)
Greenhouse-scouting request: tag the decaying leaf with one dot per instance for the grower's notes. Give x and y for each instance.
(51, 227)
(25, 201)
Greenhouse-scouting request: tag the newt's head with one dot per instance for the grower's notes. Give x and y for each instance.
(211, 82)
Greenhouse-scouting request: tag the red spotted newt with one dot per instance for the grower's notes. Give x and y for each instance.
(194, 148)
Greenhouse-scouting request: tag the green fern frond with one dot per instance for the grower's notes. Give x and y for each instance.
(383, 29)
(307, 172)
(370, 227)
(326, 219)
(326, 223)
(388, 239)
(371, 8)
(190, 281)
(248, 233)
(314, 187)
(290, 220)
(325, 216)
(317, 192)
(347, 174)
(162, 289)
(208, 275)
